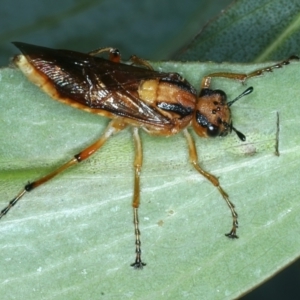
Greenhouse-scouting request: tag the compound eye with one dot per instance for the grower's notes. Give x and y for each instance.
(212, 130)
(212, 93)
(203, 127)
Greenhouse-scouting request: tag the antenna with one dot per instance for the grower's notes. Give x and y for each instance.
(241, 136)
(248, 91)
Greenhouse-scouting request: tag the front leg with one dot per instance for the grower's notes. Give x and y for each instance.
(242, 76)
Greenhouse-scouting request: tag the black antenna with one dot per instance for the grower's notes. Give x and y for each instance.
(248, 91)
(241, 136)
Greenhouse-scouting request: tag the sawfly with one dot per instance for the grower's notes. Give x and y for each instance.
(132, 95)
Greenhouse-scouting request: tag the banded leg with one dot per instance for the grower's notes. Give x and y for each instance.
(138, 264)
(243, 77)
(113, 127)
(214, 180)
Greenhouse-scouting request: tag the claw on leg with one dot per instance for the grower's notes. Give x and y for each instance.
(138, 264)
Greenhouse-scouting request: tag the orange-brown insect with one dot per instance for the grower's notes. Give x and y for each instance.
(159, 103)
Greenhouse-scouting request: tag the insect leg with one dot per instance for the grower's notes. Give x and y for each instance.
(138, 264)
(114, 54)
(139, 61)
(214, 180)
(243, 77)
(113, 127)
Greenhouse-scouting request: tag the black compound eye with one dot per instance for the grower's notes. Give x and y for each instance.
(212, 130)
(222, 94)
(209, 93)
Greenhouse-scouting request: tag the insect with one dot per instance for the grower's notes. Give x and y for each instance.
(132, 96)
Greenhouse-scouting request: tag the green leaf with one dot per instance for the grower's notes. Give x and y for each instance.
(249, 31)
(73, 237)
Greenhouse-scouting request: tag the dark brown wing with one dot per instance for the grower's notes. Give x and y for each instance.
(96, 82)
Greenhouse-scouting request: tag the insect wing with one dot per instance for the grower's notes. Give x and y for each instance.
(96, 84)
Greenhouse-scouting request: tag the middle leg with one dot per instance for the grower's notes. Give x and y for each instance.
(138, 264)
